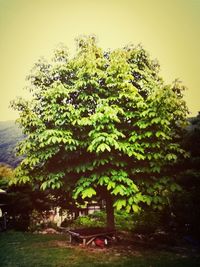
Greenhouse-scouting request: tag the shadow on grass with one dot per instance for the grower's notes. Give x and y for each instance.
(33, 250)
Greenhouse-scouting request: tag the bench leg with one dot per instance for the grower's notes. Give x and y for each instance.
(70, 238)
(84, 242)
(90, 241)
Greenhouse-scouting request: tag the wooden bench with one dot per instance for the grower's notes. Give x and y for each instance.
(88, 235)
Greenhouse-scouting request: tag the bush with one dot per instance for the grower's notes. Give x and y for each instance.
(145, 222)
(39, 221)
(124, 221)
(97, 219)
(19, 222)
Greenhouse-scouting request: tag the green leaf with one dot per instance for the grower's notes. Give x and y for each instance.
(44, 185)
(103, 147)
(104, 180)
(88, 192)
(111, 184)
(119, 190)
(171, 156)
(147, 199)
(77, 191)
(119, 204)
(136, 208)
(175, 187)
(134, 187)
(128, 208)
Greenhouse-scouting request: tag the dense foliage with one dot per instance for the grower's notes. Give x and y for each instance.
(20, 201)
(102, 124)
(145, 222)
(185, 205)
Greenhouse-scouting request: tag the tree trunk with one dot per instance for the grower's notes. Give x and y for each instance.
(110, 212)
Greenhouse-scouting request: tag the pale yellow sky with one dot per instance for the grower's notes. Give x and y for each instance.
(168, 29)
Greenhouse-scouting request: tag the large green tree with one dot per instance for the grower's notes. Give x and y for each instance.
(101, 124)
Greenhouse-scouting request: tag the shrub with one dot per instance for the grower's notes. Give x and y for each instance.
(145, 222)
(124, 221)
(97, 219)
(39, 221)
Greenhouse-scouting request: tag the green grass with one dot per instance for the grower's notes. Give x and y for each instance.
(33, 250)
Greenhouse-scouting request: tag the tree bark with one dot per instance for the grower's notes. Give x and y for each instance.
(110, 212)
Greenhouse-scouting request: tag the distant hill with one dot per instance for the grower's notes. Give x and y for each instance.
(10, 135)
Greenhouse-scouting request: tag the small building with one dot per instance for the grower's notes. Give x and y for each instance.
(57, 215)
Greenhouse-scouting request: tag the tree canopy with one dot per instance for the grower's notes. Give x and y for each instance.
(101, 123)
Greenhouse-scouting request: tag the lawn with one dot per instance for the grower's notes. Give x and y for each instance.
(19, 249)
